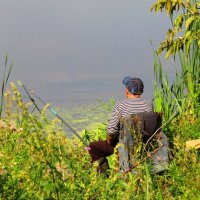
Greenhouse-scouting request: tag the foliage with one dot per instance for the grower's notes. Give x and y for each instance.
(185, 31)
(37, 161)
(182, 96)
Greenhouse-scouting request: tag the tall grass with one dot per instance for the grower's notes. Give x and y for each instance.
(183, 95)
(37, 161)
(6, 74)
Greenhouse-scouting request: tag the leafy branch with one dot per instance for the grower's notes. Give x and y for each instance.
(185, 30)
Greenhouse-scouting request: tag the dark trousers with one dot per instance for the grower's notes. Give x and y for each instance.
(99, 149)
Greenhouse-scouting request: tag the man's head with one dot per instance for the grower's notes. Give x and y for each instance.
(134, 85)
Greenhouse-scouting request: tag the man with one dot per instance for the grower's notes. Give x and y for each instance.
(132, 104)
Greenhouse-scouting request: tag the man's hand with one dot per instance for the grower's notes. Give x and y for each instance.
(112, 140)
(109, 139)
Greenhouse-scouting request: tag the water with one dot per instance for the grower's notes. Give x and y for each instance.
(72, 52)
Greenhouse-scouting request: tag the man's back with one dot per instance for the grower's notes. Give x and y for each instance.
(125, 107)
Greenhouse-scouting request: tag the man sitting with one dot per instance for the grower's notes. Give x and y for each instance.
(132, 103)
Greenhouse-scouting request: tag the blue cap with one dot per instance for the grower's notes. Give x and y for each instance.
(134, 85)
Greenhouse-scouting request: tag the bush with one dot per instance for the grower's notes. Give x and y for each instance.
(37, 161)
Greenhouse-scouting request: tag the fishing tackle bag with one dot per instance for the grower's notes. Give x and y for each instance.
(136, 130)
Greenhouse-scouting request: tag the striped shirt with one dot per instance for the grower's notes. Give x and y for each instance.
(126, 107)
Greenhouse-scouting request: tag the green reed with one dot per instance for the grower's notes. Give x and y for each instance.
(6, 74)
(183, 94)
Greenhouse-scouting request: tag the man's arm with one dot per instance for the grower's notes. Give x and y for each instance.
(113, 126)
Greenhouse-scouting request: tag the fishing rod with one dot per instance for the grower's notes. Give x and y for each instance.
(31, 98)
(52, 111)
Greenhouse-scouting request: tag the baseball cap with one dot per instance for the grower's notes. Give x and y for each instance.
(134, 85)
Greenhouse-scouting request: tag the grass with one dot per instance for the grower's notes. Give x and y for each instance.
(6, 74)
(37, 161)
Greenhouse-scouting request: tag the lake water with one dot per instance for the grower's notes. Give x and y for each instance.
(72, 52)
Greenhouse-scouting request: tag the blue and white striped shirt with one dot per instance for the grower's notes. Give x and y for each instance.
(126, 107)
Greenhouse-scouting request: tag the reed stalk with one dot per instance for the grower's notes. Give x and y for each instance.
(6, 75)
(183, 94)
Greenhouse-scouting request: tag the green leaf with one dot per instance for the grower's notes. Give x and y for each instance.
(178, 21)
(189, 21)
(169, 52)
(187, 34)
(199, 42)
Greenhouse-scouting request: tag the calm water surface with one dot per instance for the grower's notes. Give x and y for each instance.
(77, 51)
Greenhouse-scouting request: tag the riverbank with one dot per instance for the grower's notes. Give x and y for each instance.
(38, 161)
